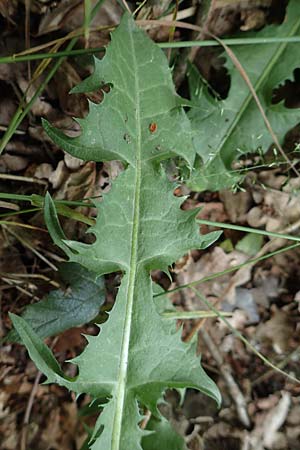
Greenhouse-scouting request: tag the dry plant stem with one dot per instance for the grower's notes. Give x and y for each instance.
(126, 6)
(14, 284)
(225, 369)
(281, 365)
(25, 243)
(180, 69)
(224, 272)
(139, 8)
(23, 443)
(53, 256)
(22, 225)
(196, 328)
(87, 21)
(172, 29)
(4, 176)
(269, 246)
(243, 339)
(8, 205)
(198, 324)
(201, 21)
(244, 75)
(194, 435)
(62, 40)
(148, 23)
(147, 417)
(24, 106)
(27, 32)
(246, 442)
(4, 128)
(32, 276)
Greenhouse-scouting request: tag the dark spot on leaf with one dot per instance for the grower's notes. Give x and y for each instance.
(127, 138)
(106, 87)
(289, 92)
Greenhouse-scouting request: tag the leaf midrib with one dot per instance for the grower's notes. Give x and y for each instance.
(123, 368)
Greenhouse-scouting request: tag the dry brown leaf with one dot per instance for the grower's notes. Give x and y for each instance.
(69, 15)
(278, 331)
(211, 262)
(236, 204)
(64, 80)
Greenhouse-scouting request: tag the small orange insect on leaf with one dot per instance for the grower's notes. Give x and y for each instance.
(152, 127)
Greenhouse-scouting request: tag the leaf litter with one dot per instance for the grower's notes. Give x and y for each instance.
(273, 194)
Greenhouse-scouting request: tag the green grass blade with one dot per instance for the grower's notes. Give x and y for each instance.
(23, 109)
(243, 339)
(230, 226)
(231, 269)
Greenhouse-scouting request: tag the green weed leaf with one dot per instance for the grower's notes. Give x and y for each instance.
(140, 227)
(61, 310)
(224, 130)
(162, 437)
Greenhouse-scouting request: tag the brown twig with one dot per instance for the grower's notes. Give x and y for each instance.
(247, 80)
(126, 5)
(167, 23)
(241, 276)
(172, 29)
(27, 32)
(28, 411)
(147, 417)
(234, 390)
(23, 440)
(196, 327)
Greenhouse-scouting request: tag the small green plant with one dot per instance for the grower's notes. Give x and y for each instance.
(140, 227)
(235, 124)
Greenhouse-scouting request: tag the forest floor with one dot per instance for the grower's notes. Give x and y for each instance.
(261, 407)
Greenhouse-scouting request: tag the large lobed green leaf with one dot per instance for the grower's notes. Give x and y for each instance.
(63, 309)
(224, 130)
(140, 227)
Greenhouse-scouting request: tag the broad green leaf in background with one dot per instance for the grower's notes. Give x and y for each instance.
(61, 310)
(164, 437)
(140, 227)
(224, 130)
(250, 244)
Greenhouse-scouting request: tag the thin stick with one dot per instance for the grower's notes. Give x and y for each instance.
(126, 6)
(225, 369)
(14, 284)
(247, 80)
(22, 225)
(30, 275)
(242, 338)
(167, 23)
(27, 31)
(87, 21)
(30, 404)
(230, 226)
(191, 314)
(28, 410)
(172, 29)
(25, 243)
(281, 365)
(5, 176)
(139, 8)
(226, 271)
(32, 54)
(25, 106)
